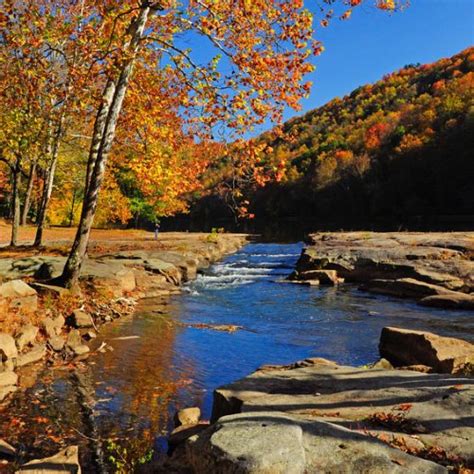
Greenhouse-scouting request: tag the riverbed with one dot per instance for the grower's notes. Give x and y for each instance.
(158, 361)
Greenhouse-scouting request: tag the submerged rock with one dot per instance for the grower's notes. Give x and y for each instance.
(404, 347)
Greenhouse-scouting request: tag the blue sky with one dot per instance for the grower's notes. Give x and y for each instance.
(373, 43)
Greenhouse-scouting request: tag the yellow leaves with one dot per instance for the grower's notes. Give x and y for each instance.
(346, 15)
(386, 4)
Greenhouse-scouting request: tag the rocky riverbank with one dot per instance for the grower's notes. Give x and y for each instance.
(318, 416)
(436, 269)
(43, 324)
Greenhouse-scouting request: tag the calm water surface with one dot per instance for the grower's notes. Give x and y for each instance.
(136, 388)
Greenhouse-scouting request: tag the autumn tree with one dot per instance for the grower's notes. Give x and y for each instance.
(263, 50)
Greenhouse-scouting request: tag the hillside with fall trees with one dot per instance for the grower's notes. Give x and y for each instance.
(400, 148)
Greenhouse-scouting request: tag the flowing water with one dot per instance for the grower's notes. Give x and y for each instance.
(160, 362)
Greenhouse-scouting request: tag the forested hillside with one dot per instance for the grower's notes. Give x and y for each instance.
(401, 147)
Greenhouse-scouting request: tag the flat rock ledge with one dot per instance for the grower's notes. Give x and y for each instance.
(434, 268)
(318, 416)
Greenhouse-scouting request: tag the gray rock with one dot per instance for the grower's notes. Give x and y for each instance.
(407, 347)
(8, 348)
(256, 443)
(109, 275)
(56, 343)
(53, 327)
(439, 259)
(64, 462)
(50, 289)
(81, 319)
(325, 277)
(180, 434)
(317, 390)
(187, 416)
(381, 364)
(74, 339)
(35, 355)
(16, 294)
(6, 390)
(278, 443)
(405, 288)
(457, 301)
(8, 378)
(81, 349)
(27, 336)
(49, 327)
(168, 270)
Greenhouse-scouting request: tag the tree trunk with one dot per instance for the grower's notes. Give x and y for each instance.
(103, 136)
(73, 205)
(16, 203)
(99, 127)
(53, 151)
(29, 191)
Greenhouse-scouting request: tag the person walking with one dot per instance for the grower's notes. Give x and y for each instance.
(157, 229)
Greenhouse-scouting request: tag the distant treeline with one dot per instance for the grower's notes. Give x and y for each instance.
(389, 151)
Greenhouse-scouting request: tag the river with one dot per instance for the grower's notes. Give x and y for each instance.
(161, 363)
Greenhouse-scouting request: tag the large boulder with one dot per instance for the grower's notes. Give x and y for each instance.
(16, 294)
(404, 347)
(439, 259)
(438, 407)
(64, 462)
(109, 275)
(272, 442)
